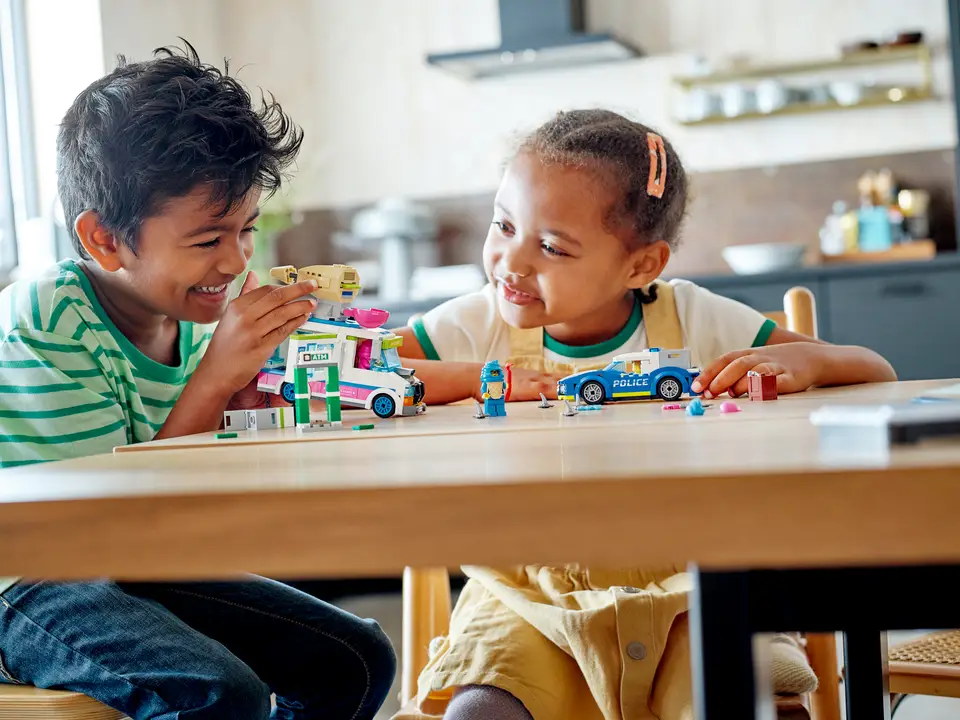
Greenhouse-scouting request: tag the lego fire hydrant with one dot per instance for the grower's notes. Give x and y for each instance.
(493, 389)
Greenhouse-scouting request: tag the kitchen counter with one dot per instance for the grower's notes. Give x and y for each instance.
(800, 275)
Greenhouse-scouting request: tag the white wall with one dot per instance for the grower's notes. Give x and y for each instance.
(379, 121)
(135, 28)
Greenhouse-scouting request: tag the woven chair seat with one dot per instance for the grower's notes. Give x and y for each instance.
(929, 665)
(939, 648)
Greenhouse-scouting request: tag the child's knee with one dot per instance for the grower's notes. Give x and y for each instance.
(483, 702)
(380, 659)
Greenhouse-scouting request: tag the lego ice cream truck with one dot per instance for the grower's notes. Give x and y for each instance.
(371, 375)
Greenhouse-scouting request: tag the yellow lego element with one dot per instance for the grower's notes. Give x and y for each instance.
(639, 393)
(335, 283)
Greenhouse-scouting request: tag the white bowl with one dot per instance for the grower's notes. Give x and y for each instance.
(763, 257)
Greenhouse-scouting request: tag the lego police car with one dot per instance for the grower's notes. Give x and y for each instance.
(653, 373)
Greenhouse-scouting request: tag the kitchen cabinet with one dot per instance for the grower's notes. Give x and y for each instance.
(907, 318)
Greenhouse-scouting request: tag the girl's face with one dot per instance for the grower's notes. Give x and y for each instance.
(549, 253)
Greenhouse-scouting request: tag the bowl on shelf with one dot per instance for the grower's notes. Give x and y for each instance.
(763, 257)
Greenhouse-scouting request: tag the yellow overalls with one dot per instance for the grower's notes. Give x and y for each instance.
(569, 642)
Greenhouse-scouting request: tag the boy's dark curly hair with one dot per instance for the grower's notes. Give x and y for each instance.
(617, 149)
(152, 131)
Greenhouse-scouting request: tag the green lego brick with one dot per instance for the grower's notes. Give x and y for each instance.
(368, 426)
(225, 435)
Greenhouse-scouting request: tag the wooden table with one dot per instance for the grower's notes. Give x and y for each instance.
(627, 486)
(638, 486)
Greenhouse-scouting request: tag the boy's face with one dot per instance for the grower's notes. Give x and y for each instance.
(548, 250)
(187, 257)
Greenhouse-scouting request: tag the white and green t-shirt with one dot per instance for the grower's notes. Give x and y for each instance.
(470, 329)
(71, 384)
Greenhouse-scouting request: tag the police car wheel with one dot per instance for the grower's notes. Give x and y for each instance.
(592, 393)
(669, 389)
(289, 392)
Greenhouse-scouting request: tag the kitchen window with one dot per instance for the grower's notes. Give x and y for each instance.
(18, 183)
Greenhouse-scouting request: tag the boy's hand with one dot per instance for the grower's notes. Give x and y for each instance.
(252, 327)
(252, 398)
(528, 384)
(796, 364)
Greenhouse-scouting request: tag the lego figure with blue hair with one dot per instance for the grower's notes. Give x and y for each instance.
(493, 389)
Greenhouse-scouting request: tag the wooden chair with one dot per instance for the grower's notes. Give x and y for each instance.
(22, 702)
(928, 665)
(426, 592)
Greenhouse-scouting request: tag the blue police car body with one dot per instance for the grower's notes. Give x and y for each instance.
(633, 376)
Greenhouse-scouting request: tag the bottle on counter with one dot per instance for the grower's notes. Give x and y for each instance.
(915, 206)
(833, 239)
(874, 231)
(851, 231)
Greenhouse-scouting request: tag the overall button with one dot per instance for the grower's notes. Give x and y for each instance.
(628, 590)
(637, 650)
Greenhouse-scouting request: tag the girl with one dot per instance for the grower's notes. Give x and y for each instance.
(584, 221)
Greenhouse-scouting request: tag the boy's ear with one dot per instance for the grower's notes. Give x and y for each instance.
(98, 241)
(646, 264)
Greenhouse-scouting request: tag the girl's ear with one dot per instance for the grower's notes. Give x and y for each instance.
(98, 241)
(646, 264)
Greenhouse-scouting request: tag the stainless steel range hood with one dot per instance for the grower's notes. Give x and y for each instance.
(536, 35)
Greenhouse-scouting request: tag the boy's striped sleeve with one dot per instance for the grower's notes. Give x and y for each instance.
(56, 400)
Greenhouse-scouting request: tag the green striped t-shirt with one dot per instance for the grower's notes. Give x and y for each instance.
(71, 384)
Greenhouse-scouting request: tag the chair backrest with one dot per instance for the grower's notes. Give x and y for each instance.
(799, 312)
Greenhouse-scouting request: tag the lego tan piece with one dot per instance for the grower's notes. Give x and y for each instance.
(335, 283)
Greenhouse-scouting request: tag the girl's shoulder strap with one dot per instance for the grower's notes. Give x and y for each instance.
(661, 319)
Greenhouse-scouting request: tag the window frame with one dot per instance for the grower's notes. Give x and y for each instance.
(19, 186)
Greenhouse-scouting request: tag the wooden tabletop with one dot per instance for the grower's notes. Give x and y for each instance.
(629, 485)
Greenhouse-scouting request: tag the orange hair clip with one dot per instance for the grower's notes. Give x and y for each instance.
(655, 186)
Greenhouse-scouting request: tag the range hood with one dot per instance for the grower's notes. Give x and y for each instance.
(536, 35)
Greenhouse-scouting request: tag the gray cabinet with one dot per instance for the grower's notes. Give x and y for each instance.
(908, 318)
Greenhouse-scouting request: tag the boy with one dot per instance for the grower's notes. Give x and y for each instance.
(161, 168)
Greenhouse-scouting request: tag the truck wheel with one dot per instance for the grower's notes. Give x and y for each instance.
(288, 392)
(592, 393)
(669, 388)
(383, 406)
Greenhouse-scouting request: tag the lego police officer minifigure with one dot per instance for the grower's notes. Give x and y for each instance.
(493, 389)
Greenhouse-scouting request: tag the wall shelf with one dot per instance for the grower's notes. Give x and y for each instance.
(882, 56)
(712, 85)
(909, 95)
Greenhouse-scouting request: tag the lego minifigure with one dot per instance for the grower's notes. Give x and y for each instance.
(493, 389)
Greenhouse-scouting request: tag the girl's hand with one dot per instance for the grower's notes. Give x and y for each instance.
(797, 366)
(528, 384)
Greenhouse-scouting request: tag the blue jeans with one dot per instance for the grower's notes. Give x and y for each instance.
(197, 651)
